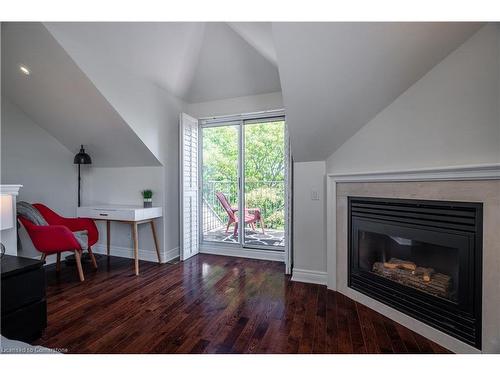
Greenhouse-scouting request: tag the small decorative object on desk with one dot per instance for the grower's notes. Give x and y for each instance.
(147, 195)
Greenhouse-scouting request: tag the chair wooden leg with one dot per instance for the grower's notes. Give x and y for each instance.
(79, 264)
(42, 258)
(135, 239)
(92, 257)
(108, 237)
(235, 233)
(262, 225)
(155, 238)
(58, 263)
(227, 228)
(252, 225)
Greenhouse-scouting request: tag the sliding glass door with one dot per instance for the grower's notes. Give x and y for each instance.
(264, 183)
(220, 182)
(243, 183)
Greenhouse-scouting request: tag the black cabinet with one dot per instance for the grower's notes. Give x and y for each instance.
(24, 307)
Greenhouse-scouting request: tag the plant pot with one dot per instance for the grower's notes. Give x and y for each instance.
(148, 203)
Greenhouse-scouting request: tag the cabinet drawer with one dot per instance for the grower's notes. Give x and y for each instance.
(120, 213)
(22, 289)
(25, 324)
(107, 214)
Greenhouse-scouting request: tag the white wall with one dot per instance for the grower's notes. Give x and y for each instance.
(153, 114)
(33, 158)
(309, 241)
(123, 186)
(449, 117)
(236, 106)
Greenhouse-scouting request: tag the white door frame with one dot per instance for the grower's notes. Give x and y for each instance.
(242, 249)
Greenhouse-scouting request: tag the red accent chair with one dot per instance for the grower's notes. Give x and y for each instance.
(58, 236)
(252, 215)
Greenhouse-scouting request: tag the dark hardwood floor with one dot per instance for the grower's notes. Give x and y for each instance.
(211, 304)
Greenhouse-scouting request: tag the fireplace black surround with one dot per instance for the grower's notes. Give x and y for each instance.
(421, 257)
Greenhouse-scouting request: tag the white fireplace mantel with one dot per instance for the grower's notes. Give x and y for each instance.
(10, 189)
(468, 183)
(460, 172)
(9, 236)
(457, 173)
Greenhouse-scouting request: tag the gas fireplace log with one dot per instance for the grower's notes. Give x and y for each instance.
(438, 285)
(394, 263)
(426, 273)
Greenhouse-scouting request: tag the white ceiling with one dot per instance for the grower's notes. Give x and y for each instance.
(195, 61)
(229, 67)
(259, 35)
(59, 97)
(336, 77)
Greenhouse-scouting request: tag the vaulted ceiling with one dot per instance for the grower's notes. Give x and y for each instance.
(334, 77)
(229, 67)
(59, 97)
(196, 62)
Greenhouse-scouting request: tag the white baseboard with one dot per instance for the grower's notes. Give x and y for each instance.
(278, 256)
(147, 255)
(309, 276)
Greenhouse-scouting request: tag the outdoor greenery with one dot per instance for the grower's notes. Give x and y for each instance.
(271, 202)
(264, 168)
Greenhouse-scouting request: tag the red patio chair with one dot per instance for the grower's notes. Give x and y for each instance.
(252, 215)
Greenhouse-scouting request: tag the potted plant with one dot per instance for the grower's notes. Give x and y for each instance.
(147, 195)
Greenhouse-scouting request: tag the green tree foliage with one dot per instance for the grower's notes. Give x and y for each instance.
(220, 153)
(271, 202)
(264, 152)
(264, 166)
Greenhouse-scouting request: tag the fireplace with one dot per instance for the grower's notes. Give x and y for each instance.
(422, 258)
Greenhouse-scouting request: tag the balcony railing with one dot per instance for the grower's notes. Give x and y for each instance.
(268, 196)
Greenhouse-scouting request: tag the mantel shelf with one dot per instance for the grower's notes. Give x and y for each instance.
(459, 172)
(10, 189)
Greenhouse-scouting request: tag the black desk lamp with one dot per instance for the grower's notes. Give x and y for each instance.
(81, 158)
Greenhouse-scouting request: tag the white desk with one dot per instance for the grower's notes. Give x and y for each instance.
(133, 215)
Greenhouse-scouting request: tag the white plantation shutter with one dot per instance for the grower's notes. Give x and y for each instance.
(188, 186)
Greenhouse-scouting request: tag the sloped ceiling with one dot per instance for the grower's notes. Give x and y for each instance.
(196, 62)
(148, 109)
(165, 53)
(336, 77)
(58, 96)
(115, 86)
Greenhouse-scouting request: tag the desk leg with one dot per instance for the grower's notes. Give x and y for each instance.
(108, 236)
(136, 247)
(153, 229)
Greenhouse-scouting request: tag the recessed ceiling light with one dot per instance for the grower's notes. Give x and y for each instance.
(25, 70)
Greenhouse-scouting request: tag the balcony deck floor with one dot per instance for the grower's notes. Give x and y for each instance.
(271, 237)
